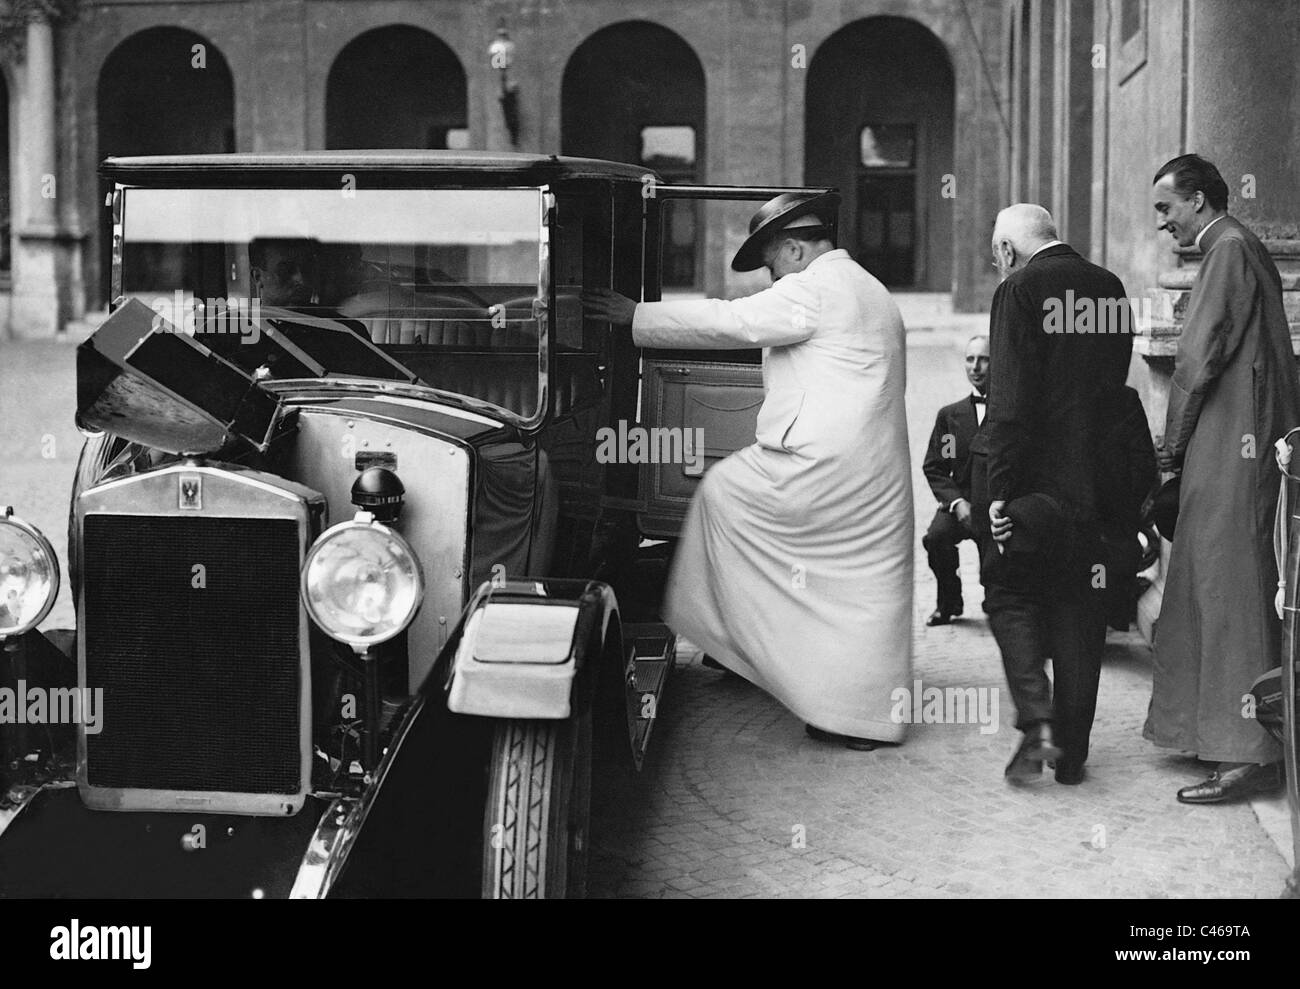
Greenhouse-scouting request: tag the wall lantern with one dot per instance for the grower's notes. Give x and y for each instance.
(501, 55)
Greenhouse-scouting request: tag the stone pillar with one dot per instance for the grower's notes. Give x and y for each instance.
(278, 85)
(1243, 98)
(1017, 111)
(37, 309)
(1042, 101)
(1243, 103)
(1072, 124)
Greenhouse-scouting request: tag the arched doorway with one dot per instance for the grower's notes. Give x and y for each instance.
(396, 87)
(634, 92)
(162, 91)
(880, 106)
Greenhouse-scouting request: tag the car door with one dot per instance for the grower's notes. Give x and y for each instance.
(697, 406)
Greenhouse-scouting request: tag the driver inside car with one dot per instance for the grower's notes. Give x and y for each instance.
(284, 272)
(280, 271)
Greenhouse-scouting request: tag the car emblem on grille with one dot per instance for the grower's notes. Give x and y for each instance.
(191, 492)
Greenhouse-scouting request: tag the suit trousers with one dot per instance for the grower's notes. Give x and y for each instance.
(940, 542)
(1036, 616)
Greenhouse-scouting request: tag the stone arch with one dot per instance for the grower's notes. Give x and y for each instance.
(880, 124)
(159, 92)
(617, 103)
(396, 86)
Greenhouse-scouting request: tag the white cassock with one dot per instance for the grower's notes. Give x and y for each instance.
(795, 564)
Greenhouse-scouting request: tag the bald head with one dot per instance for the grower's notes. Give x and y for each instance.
(1020, 230)
(1027, 225)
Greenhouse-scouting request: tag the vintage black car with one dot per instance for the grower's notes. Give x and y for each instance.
(360, 497)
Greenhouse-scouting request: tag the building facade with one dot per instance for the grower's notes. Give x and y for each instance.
(1103, 92)
(896, 102)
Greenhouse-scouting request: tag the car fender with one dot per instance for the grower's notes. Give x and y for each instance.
(426, 782)
(530, 649)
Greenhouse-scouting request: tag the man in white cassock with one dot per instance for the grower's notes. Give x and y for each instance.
(794, 568)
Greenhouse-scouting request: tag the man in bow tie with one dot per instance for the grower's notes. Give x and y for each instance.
(947, 468)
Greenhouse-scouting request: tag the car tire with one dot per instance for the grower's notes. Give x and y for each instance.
(538, 810)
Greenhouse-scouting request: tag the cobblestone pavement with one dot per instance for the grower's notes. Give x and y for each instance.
(39, 444)
(735, 801)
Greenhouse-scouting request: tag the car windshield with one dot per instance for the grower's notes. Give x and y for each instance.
(431, 287)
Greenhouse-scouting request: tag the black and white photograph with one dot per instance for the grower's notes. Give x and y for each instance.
(624, 450)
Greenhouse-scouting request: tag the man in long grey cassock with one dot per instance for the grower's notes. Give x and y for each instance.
(794, 568)
(1234, 393)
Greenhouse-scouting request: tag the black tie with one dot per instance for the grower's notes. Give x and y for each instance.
(978, 399)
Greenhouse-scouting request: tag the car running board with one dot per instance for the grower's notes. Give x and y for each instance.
(651, 653)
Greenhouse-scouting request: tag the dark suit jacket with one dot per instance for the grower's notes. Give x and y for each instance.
(1047, 379)
(1127, 470)
(949, 476)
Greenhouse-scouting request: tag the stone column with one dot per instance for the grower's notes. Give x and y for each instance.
(1242, 102)
(277, 88)
(37, 309)
(1072, 123)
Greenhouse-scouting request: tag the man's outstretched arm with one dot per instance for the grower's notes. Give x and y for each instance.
(786, 313)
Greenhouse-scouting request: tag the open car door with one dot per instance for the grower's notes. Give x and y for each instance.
(1277, 704)
(713, 395)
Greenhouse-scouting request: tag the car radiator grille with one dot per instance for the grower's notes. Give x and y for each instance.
(201, 685)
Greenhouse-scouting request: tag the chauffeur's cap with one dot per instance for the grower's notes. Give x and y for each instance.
(790, 209)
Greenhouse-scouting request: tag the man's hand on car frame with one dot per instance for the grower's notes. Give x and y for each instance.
(606, 304)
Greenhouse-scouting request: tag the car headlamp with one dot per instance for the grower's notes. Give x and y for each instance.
(362, 582)
(29, 575)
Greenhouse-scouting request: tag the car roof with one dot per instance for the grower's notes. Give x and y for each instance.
(530, 169)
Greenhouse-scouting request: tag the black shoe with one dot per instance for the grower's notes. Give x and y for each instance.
(1225, 785)
(1069, 776)
(713, 664)
(848, 741)
(941, 617)
(1035, 748)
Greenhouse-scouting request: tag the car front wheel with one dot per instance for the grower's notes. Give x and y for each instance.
(538, 809)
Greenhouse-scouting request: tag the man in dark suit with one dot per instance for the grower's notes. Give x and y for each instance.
(284, 272)
(947, 468)
(1060, 336)
(1126, 475)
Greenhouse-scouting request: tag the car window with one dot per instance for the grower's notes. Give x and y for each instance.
(440, 287)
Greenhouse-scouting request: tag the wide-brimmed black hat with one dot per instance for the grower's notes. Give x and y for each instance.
(779, 213)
